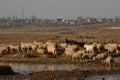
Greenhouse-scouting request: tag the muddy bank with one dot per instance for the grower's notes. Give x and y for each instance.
(78, 74)
(60, 75)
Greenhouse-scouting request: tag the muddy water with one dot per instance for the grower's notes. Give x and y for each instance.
(23, 68)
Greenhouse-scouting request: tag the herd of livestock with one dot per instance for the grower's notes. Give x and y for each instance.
(73, 50)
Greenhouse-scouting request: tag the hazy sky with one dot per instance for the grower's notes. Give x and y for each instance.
(61, 8)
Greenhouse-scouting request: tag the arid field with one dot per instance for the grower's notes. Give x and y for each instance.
(87, 34)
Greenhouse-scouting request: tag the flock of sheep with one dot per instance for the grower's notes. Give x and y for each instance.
(73, 50)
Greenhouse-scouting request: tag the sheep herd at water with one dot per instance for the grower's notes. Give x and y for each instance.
(73, 50)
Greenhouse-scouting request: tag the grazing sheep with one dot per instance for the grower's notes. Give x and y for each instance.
(3, 50)
(108, 60)
(15, 48)
(26, 47)
(111, 47)
(90, 47)
(37, 43)
(23, 47)
(88, 55)
(33, 47)
(100, 56)
(99, 47)
(51, 48)
(115, 45)
(40, 52)
(77, 55)
(71, 49)
(63, 45)
(42, 45)
(111, 50)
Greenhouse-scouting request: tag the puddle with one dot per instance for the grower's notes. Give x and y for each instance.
(23, 68)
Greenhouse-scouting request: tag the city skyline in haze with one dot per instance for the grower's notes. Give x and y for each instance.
(60, 8)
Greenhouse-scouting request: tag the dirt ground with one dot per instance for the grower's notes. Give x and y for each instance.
(16, 37)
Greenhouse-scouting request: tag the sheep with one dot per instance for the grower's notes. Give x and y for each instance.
(111, 50)
(25, 47)
(40, 52)
(33, 47)
(115, 45)
(3, 50)
(37, 43)
(88, 55)
(111, 47)
(77, 55)
(108, 60)
(61, 48)
(28, 47)
(90, 47)
(71, 49)
(100, 56)
(63, 45)
(14, 48)
(99, 47)
(51, 48)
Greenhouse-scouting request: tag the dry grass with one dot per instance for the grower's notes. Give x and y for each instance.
(16, 38)
(95, 33)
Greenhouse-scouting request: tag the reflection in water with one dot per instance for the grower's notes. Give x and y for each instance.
(23, 68)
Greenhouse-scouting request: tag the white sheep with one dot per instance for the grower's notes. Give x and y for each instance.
(111, 47)
(99, 47)
(63, 46)
(108, 60)
(100, 56)
(3, 50)
(71, 49)
(77, 55)
(88, 55)
(26, 47)
(15, 48)
(51, 48)
(89, 47)
(40, 52)
(23, 47)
